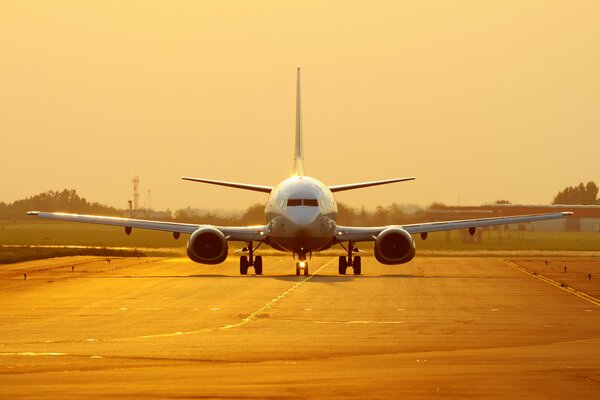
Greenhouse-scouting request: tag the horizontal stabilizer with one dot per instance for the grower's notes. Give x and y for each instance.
(245, 186)
(339, 188)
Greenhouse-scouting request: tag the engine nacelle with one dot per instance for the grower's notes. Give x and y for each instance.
(207, 245)
(394, 246)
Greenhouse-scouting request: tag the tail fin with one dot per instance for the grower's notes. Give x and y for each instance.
(299, 151)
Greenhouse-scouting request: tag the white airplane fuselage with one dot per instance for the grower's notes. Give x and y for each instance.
(301, 214)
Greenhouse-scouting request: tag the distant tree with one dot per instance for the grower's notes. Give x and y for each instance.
(591, 190)
(437, 206)
(254, 215)
(581, 194)
(66, 200)
(346, 215)
(502, 202)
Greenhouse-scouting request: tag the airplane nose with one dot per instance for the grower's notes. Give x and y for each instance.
(303, 216)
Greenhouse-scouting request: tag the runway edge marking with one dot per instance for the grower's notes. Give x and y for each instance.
(249, 317)
(552, 282)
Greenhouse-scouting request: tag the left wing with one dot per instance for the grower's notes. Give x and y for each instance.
(237, 185)
(233, 233)
(364, 234)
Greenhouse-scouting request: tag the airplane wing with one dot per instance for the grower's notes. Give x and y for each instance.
(245, 186)
(233, 233)
(364, 234)
(351, 186)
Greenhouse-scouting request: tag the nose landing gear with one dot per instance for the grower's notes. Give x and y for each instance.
(251, 261)
(302, 266)
(354, 262)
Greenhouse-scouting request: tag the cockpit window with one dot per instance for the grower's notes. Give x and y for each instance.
(302, 202)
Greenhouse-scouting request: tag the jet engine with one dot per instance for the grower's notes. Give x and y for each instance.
(394, 246)
(207, 245)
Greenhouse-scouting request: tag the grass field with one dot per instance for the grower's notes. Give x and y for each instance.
(512, 240)
(10, 255)
(39, 232)
(28, 234)
(52, 233)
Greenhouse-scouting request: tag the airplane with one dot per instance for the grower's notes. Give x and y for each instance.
(301, 219)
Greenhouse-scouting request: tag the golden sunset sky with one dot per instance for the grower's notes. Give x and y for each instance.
(480, 100)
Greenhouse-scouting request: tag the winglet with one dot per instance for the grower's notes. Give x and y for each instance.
(299, 150)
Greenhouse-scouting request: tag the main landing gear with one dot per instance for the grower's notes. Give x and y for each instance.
(251, 261)
(354, 262)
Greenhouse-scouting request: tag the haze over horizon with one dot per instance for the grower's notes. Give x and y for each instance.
(480, 101)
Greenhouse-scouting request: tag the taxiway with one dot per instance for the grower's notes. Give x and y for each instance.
(82, 327)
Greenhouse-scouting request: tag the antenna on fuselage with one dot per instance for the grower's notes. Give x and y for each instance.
(299, 150)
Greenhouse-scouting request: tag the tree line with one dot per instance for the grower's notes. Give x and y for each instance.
(581, 194)
(68, 200)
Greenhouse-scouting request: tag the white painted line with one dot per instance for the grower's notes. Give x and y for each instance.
(359, 322)
(249, 318)
(32, 354)
(552, 282)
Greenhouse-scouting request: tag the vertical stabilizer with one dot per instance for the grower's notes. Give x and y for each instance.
(299, 151)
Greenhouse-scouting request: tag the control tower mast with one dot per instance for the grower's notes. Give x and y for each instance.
(136, 192)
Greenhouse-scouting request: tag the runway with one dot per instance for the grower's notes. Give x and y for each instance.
(81, 327)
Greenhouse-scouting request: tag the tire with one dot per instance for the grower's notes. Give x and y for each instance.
(297, 268)
(306, 269)
(357, 265)
(258, 265)
(244, 265)
(342, 265)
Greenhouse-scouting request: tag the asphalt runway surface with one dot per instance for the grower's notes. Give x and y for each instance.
(82, 327)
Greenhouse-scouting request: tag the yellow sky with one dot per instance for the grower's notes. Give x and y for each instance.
(479, 100)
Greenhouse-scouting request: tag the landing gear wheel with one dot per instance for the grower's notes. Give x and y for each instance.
(297, 268)
(342, 265)
(244, 265)
(258, 265)
(356, 265)
(305, 269)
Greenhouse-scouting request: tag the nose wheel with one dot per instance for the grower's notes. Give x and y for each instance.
(302, 266)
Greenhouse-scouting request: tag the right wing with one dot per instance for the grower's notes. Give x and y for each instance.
(233, 233)
(246, 186)
(364, 234)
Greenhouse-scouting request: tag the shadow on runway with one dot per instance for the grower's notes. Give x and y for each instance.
(288, 278)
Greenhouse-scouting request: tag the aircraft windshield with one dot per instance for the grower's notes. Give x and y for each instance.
(302, 202)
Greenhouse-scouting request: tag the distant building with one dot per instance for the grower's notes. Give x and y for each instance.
(585, 218)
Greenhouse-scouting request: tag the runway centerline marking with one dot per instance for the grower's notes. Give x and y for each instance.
(552, 282)
(249, 318)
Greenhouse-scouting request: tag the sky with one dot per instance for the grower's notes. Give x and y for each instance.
(480, 100)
